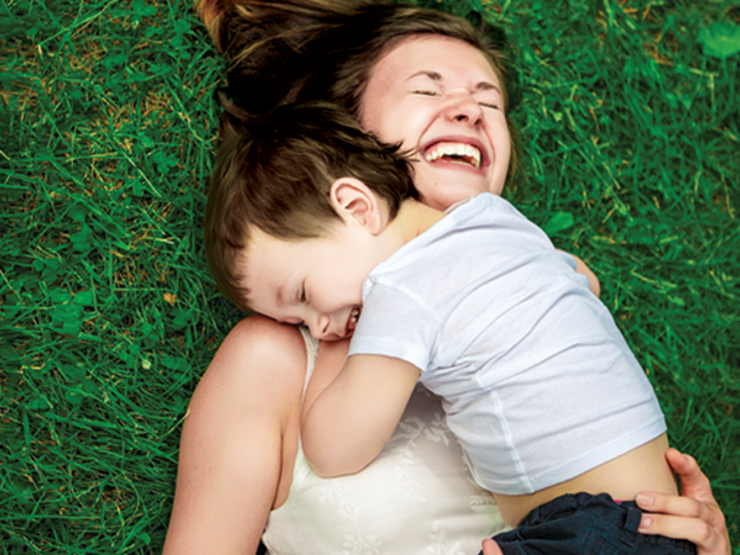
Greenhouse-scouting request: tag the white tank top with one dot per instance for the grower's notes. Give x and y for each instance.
(416, 498)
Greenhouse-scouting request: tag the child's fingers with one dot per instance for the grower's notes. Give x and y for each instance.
(490, 547)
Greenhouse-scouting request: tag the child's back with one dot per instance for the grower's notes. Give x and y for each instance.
(539, 385)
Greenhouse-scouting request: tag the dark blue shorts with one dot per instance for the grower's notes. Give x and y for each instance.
(583, 524)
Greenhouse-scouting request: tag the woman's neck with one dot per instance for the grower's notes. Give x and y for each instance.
(413, 219)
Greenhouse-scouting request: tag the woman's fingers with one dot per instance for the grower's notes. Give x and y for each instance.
(709, 539)
(695, 516)
(694, 483)
(695, 530)
(490, 547)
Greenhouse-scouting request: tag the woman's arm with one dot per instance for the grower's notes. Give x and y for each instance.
(233, 440)
(351, 420)
(593, 281)
(694, 516)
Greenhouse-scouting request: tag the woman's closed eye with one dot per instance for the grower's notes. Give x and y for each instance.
(491, 105)
(490, 98)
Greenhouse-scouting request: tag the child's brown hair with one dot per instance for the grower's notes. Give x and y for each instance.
(276, 177)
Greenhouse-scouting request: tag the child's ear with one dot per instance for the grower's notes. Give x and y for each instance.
(354, 201)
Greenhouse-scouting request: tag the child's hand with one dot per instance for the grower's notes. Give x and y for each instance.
(694, 516)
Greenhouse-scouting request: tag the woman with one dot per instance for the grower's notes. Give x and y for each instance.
(240, 460)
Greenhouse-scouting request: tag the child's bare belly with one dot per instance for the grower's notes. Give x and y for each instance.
(642, 469)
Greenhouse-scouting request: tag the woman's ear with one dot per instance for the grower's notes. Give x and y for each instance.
(355, 202)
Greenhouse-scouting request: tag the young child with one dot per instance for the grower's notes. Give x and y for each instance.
(310, 221)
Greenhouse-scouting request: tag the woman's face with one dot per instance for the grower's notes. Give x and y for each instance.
(440, 97)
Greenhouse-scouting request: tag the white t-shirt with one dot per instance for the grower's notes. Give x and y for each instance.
(538, 383)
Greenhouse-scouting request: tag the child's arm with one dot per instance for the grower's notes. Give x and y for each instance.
(348, 424)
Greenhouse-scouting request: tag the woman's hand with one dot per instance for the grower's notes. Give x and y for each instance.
(694, 516)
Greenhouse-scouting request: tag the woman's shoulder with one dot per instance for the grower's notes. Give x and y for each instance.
(258, 337)
(257, 332)
(260, 364)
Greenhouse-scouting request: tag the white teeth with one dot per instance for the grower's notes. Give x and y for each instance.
(353, 316)
(457, 150)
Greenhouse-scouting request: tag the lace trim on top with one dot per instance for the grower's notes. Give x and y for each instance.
(312, 352)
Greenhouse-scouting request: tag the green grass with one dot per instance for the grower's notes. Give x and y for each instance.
(630, 138)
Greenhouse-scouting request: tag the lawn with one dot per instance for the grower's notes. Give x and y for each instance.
(629, 121)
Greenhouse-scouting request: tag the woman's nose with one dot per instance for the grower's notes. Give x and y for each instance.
(463, 108)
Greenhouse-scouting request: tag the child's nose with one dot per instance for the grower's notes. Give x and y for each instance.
(320, 326)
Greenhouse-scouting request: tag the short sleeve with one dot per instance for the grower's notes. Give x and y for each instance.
(394, 323)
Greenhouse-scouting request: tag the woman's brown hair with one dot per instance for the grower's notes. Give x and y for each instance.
(281, 52)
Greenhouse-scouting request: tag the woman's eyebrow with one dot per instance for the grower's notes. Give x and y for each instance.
(487, 86)
(433, 75)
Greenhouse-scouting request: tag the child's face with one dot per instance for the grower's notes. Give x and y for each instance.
(441, 97)
(316, 282)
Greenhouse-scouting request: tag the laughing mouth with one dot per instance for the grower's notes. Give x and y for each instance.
(456, 153)
(352, 321)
